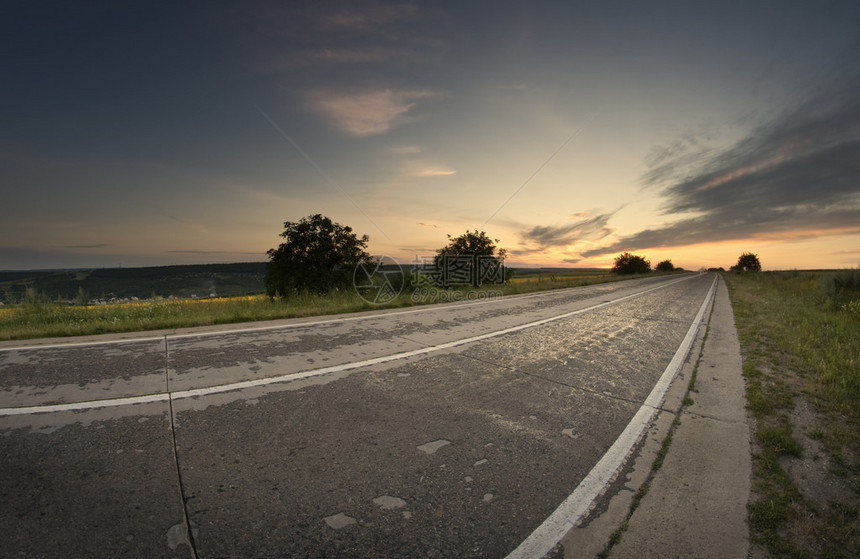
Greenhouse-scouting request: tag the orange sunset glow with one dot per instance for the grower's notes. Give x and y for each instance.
(571, 132)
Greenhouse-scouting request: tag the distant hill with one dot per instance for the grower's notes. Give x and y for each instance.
(202, 280)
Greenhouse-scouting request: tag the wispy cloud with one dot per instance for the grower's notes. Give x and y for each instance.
(87, 247)
(411, 166)
(368, 16)
(367, 113)
(396, 56)
(354, 33)
(582, 229)
(430, 171)
(797, 176)
(265, 197)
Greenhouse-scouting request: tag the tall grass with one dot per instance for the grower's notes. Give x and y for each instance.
(47, 319)
(810, 319)
(814, 318)
(799, 333)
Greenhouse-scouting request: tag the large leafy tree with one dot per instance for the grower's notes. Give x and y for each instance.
(626, 263)
(317, 255)
(747, 262)
(472, 258)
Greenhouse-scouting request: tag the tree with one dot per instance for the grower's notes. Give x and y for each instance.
(470, 259)
(317, 255)
(626, 263)
(665, 266)
(747, 262)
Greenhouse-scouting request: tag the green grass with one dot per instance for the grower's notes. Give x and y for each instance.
(48, 319)
(799, 334)
(39, 316)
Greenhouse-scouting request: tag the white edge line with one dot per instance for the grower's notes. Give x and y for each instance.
(92, 404)
(546, 536)
(423, 308)
(196, 392)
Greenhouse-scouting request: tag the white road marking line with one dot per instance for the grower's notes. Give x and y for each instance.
(196, 392)
(564, 518)
(161, 337)
(91, 404)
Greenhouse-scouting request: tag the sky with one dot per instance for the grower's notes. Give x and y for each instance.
(155, 133)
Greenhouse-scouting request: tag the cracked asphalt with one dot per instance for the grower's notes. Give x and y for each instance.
(459, 451)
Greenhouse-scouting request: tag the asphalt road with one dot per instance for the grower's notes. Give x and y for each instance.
(446, 431)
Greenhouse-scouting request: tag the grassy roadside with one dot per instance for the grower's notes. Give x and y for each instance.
(40, 317)
(801, 352)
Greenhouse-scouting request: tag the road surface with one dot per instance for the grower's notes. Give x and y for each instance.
(455, 430)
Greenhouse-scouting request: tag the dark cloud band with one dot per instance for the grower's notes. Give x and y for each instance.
(799, 175)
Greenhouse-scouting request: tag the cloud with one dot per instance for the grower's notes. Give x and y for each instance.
(349, 34)
(397, 56)
(588, 229)
(368, 113)
(102, 245)
(430, 171)
(260, 195)
(404, 150)
(422, 224)
(796, 177)
(671, 162)
(368, 16)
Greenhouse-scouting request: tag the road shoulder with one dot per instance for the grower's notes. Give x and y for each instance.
(696, 502)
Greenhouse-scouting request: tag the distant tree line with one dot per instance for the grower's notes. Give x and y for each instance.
(319, 255)
(627, 264)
